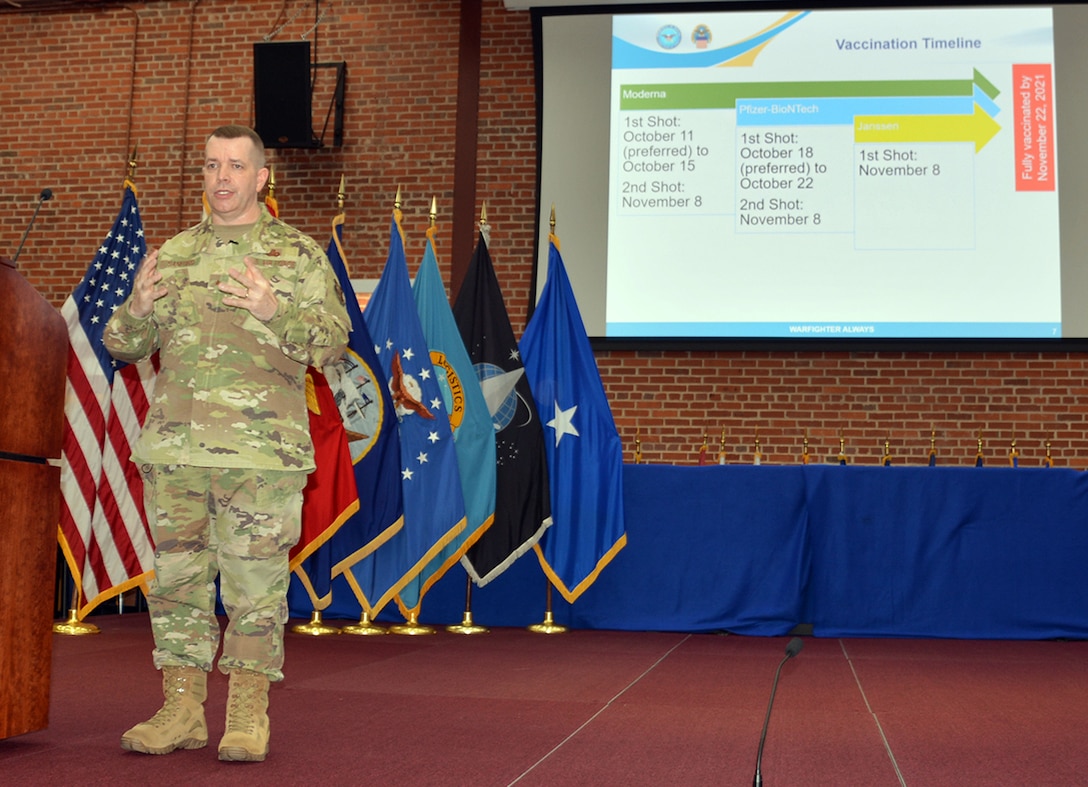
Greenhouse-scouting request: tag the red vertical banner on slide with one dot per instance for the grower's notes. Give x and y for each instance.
(1033, 86)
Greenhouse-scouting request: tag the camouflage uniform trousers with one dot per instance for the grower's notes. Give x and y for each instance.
(241, 525)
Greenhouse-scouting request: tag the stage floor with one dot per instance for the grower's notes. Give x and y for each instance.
(588, 707)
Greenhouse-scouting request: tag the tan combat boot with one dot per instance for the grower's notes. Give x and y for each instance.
(179, 724)
(246, 738)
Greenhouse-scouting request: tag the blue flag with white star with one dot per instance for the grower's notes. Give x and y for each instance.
(434, 509)
(470, 420)
(585, 456)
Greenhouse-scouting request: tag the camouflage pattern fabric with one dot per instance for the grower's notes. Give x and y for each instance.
(225, 449)
(231, 389)
(204, 521)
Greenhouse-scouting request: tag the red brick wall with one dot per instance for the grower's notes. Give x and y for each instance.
(81, 89)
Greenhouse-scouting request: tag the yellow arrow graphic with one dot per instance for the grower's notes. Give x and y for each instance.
(978, 127)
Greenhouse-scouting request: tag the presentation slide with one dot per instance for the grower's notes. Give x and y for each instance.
(882, 173)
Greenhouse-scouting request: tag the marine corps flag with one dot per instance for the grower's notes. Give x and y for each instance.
(331, 496)
(523, 508)
(585, 456)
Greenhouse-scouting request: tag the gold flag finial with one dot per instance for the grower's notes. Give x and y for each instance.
(396, 199)
(434, 210)
(485, 228)
(804, 448)
(638, 447)
(132, 164)
(551, 220)
(340, 194)
(271, 180)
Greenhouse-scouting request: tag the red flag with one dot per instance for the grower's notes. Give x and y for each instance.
(330, 496)
(103, 528)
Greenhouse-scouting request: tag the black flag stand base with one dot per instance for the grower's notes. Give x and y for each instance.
(412, 627)
(316, 627)
(74, 626)
(467, 626)
(549, 626)
(364, 628)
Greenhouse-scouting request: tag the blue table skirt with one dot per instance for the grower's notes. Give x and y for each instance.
(958, 552)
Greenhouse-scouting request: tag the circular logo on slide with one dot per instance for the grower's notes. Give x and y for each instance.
(669, 37)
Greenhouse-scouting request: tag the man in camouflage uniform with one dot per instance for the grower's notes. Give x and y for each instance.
(237, 307)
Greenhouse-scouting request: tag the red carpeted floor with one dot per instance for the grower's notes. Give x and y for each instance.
(589, 708)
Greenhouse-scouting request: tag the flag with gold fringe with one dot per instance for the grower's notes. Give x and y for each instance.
(330, 496)
(434, 509)
(522, 502)
(473, 432)
(585, 455)
(103, 531)
(362, 397)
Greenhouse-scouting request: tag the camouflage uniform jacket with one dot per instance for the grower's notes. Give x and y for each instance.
(231, 390)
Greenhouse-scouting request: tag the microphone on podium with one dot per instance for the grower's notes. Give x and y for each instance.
(792, 649)
(45, 196)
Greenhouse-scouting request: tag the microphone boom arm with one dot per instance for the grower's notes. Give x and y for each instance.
(792, 649)
(45, 196)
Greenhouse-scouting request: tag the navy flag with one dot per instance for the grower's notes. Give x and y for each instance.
(522, 504)
(585, 456)
(360, 394)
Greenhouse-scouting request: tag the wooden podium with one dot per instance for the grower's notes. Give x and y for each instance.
(33, 358)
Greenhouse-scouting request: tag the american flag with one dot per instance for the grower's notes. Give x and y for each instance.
(103, 528)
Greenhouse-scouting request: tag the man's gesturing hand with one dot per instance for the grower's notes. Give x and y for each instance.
(250, 290)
